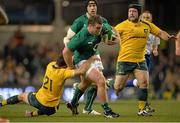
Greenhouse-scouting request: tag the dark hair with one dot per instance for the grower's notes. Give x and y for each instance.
(60, 61)
(95, 19)
(136, 6)
(87, 2)
(147, 11)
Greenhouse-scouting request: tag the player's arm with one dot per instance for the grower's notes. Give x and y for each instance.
(68, 55)
(115, 36)
(155, 44)
(3, 17)
(74, 44)
(155, 50)
(67, 38)
(178, 44)
(85, 66)
(73, 30)
(165, 36)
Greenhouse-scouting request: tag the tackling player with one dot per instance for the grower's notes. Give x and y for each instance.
(47, 99)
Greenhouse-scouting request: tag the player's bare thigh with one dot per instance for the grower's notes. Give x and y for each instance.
(142, 77)
(84, 83)
(96, 76)
(24, 97)
(120, 81)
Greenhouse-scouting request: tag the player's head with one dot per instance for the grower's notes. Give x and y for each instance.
(60, 61)
(91, 6)
(95, 25)
(147, 16)
(134, 11)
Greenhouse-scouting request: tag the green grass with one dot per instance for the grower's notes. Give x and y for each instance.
(166, 111)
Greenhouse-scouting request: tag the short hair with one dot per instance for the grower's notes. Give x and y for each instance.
(136, 6)
(60, 61)
(146, 11)
(87, 2)
(95, 19)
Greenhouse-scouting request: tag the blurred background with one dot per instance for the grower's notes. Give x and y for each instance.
(34, 37)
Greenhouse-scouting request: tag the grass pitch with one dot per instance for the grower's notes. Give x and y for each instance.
(166, 111)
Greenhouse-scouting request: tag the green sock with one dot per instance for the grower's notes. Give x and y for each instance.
(110, 83)
(105, 107)
(13, 100)
(142, 96)
(77, 94)
(91, 95)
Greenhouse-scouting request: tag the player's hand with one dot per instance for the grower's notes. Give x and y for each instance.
(71, 67)
(111, 42)
(94, 58)
(172, 37)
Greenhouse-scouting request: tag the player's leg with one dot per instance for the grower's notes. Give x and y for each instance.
(132, 83)
(148, 108)
(122, 74)
(143, 78)
(78, 92)
(15, 99)
(41, 109)
(91, 94)
(92, 91)
(97, 77)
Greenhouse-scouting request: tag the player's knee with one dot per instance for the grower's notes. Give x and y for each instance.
(101, 82)
(143, 84)
(83, 86)
(118, 87)
(21, 97)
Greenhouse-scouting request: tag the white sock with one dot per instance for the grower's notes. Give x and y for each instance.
(135, 82)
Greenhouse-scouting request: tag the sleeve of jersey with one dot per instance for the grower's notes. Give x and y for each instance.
(154, 29)
(68, 73)
(74, 43)
(77, 26)
(106, 28)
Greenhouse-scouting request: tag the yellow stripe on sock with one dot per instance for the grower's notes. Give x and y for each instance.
(34, 113)
(141, 104)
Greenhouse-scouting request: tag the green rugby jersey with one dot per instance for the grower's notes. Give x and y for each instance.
(84, 45)
(82, 21)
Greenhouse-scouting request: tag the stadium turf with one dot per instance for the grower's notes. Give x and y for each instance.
(166, 111)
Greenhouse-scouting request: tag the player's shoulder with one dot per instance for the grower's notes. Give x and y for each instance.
(147, 23)
(82, 34)
(104, 19)
(81, 18)
(123, 23)
(51, 63)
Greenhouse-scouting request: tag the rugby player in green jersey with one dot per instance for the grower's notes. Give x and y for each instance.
(82, 46)
(78, 24)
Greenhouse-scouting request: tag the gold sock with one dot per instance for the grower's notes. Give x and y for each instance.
(141, 105)
(4, 102)
(34, 113)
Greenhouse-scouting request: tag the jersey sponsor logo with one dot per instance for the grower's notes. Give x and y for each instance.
(90, 42)
(146, 31)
